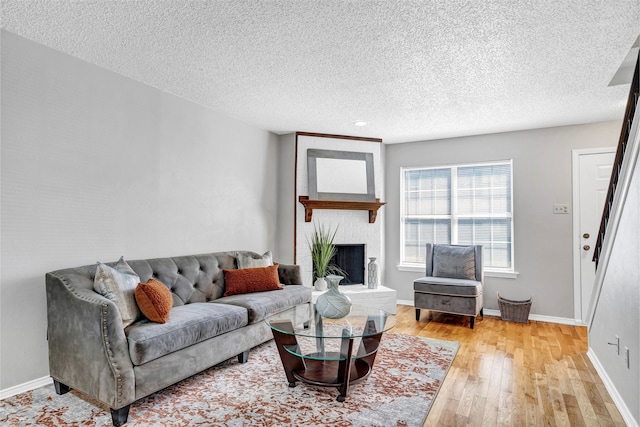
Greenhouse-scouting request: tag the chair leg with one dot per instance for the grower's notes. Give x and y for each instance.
(472, 320)
(417, 314)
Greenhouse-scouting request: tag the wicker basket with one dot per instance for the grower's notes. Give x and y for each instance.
(514, 311)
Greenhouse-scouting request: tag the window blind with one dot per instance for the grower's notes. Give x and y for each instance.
(463, 204)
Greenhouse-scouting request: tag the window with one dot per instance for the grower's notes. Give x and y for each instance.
(464, 204)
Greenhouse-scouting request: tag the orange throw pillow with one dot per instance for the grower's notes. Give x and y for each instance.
(154, 300)
(247, 280)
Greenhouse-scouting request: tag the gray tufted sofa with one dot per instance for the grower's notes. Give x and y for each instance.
(90, 351)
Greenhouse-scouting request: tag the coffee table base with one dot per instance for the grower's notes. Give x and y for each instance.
(326, 373)
(341, 370)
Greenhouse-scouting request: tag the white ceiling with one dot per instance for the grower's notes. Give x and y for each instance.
(414, 70)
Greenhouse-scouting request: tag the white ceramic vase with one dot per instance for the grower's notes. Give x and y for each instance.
(333, 304)
(320, 284)
(372, 279)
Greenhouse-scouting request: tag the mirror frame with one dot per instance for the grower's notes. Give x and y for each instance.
(314, 154)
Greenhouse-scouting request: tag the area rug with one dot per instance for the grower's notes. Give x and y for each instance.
(399, 392)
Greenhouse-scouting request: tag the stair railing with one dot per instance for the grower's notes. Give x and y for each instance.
(626, 170)
(632, 102)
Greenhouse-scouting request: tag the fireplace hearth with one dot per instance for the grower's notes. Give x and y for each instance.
(350, 258)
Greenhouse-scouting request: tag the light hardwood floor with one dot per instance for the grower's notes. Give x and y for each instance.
(514, 374)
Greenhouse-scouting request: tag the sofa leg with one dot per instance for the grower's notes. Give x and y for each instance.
(482, 312)
(472, 319)
(119, 416)
(417, 314)
(61, 388)
(243, 357)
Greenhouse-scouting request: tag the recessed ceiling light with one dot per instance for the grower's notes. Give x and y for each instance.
(360, 123)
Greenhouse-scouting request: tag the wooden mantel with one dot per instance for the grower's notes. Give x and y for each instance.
(310, 205)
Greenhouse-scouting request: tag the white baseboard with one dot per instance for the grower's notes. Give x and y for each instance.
(613, 391)
(537, 317)
(24, 387)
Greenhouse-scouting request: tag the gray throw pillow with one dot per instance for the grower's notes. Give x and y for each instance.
(255, 261)
(119, 285)
(456, 262)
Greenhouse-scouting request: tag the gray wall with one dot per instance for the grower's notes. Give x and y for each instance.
(618, 310)
(541, 178)
(94, 166)
(286, 194)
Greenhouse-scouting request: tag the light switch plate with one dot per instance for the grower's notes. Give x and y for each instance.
(560, 209)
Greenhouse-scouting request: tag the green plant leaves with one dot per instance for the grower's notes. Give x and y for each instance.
(322, 250)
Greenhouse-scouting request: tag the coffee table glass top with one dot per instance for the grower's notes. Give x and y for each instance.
(313, 337)
(358, 323)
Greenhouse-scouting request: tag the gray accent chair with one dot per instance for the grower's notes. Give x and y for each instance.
(453, 282)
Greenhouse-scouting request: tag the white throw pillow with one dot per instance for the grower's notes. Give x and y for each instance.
(119, 285)
(253, 261)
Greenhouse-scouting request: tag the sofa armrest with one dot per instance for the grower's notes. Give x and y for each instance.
(289, 274)
(88, 349)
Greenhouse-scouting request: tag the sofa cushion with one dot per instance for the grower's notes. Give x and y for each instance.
(249, 260)
(457, 262)
(189, 324)
(118, 284)
(446, 286)
(260, 305)
(155, 300)
(247, 280)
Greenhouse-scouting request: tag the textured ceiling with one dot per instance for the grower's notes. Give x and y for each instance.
(414, 70)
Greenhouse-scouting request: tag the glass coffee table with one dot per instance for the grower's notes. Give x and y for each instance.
(330, 352)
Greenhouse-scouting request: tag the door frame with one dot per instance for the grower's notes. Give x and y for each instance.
(575, 176)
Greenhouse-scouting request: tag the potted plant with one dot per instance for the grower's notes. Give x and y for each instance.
(322, 250)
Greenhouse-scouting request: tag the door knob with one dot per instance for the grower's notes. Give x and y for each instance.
(586, 247)
(586, 235)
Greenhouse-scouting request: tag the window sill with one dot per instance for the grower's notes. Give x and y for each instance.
(487, 273)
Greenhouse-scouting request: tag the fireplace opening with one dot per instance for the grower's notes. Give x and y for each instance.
(350, 258)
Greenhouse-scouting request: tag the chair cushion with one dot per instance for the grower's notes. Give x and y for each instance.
(188, 324)
(446, 286)
(260, 305)
(457, 262)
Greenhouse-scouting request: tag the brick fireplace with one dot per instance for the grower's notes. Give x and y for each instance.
(353, 227)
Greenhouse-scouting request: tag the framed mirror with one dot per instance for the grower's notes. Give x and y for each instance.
(340, 175)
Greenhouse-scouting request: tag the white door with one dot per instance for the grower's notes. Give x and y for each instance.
(591, 183)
